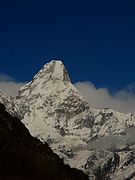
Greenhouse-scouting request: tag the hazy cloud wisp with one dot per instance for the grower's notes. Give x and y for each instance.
(123, 100)
(114, 141)
(8, 85)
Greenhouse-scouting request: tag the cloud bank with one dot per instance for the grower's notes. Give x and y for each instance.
(114, 141)
(8, 85)
(123, 100)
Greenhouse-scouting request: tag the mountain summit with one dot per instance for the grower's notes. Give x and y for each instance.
(55, 70)
(52, 76)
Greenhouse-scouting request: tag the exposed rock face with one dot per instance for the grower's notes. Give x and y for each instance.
(101, 164)
(10, 104)
(25, 157)
(55, 112)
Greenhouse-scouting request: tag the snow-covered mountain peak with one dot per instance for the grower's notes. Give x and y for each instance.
(54, 70)
(52, 78)
(51, 100)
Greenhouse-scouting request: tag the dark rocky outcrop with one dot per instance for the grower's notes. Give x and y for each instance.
(23, 157)
(101, 164)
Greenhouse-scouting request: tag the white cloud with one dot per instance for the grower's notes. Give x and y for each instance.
(8, 85)
(123, 100)
(114, 141)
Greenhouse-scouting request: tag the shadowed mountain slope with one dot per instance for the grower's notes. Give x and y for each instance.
(25, 157)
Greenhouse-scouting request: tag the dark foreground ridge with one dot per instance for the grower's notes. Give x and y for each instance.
(23, 157)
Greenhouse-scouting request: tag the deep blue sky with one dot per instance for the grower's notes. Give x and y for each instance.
(95, 39)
